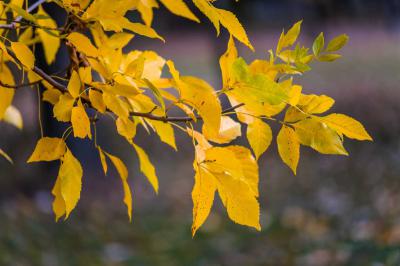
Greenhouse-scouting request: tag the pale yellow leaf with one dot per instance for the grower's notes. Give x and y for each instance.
(58, 202)
(83, 44)
(146, 167)
(123, 173)
(24, 54)
(199, 94)
(13, 117)
(232, 24)
(259, 135)
(319, 136)
(51, 95)
(126, 128)
(229, 130)
(74, 84)
(207, 9)
(103, 160)
(165, 131)
(289, 147)
(347, 126)
(50, 42)
(63, 108)
(178, 7)
(6, 97)
(96, 98)
(80, 122)
(48, 149)
(70, 175)
(203, 196)
(115, 105)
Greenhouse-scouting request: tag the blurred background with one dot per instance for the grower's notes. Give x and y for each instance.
(336, 211)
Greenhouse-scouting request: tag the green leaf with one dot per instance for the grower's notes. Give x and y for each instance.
(318, 44)
(337, 43)
(329, 57)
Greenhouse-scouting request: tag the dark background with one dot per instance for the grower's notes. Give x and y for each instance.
(336, 211)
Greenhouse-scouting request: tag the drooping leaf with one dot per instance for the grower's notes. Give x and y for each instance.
(146, 167)
(63, 108)
(74, 85)
(259, 135)
(80, 122)
(178, 7)
(70, 175)
(50, 42)
(203, 196)
(123, 173)
(289, 147)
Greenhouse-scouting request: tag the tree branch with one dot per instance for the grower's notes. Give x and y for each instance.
(19, 85)
(179, 119)
(165, 119)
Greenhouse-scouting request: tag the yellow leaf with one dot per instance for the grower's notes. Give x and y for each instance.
(126, 128)
(207, 9)
(226, 62)
(24, 54)
(50, 42)
(178, 7)
(232, 24)
(315, 104)
(70, 175)
(319, 136)
(103, 160)
(85, 74)
(146, 167)
(96, 98)
(63, 108)
(236, 172)
(58, 202)
(6, 97)
(80, 122)
(74, 84)
(165, 131)
(347, 126)
(249, 167)
(202, 96)
(13, 117)
(123, 173)
(294, 95)
(51, 96)
(290, 37)
(259, 135)
(229, 130)
(289, 147)
(241, 204)
(141, 29)
(83, 44)
(203, 196)
(48, 149)
(115, 105)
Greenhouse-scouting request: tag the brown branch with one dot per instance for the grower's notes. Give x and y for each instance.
(148, 115)
(179, 119)
(42, 74)
(19, 85)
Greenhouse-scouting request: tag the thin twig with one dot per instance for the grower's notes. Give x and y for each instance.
(19, 85)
